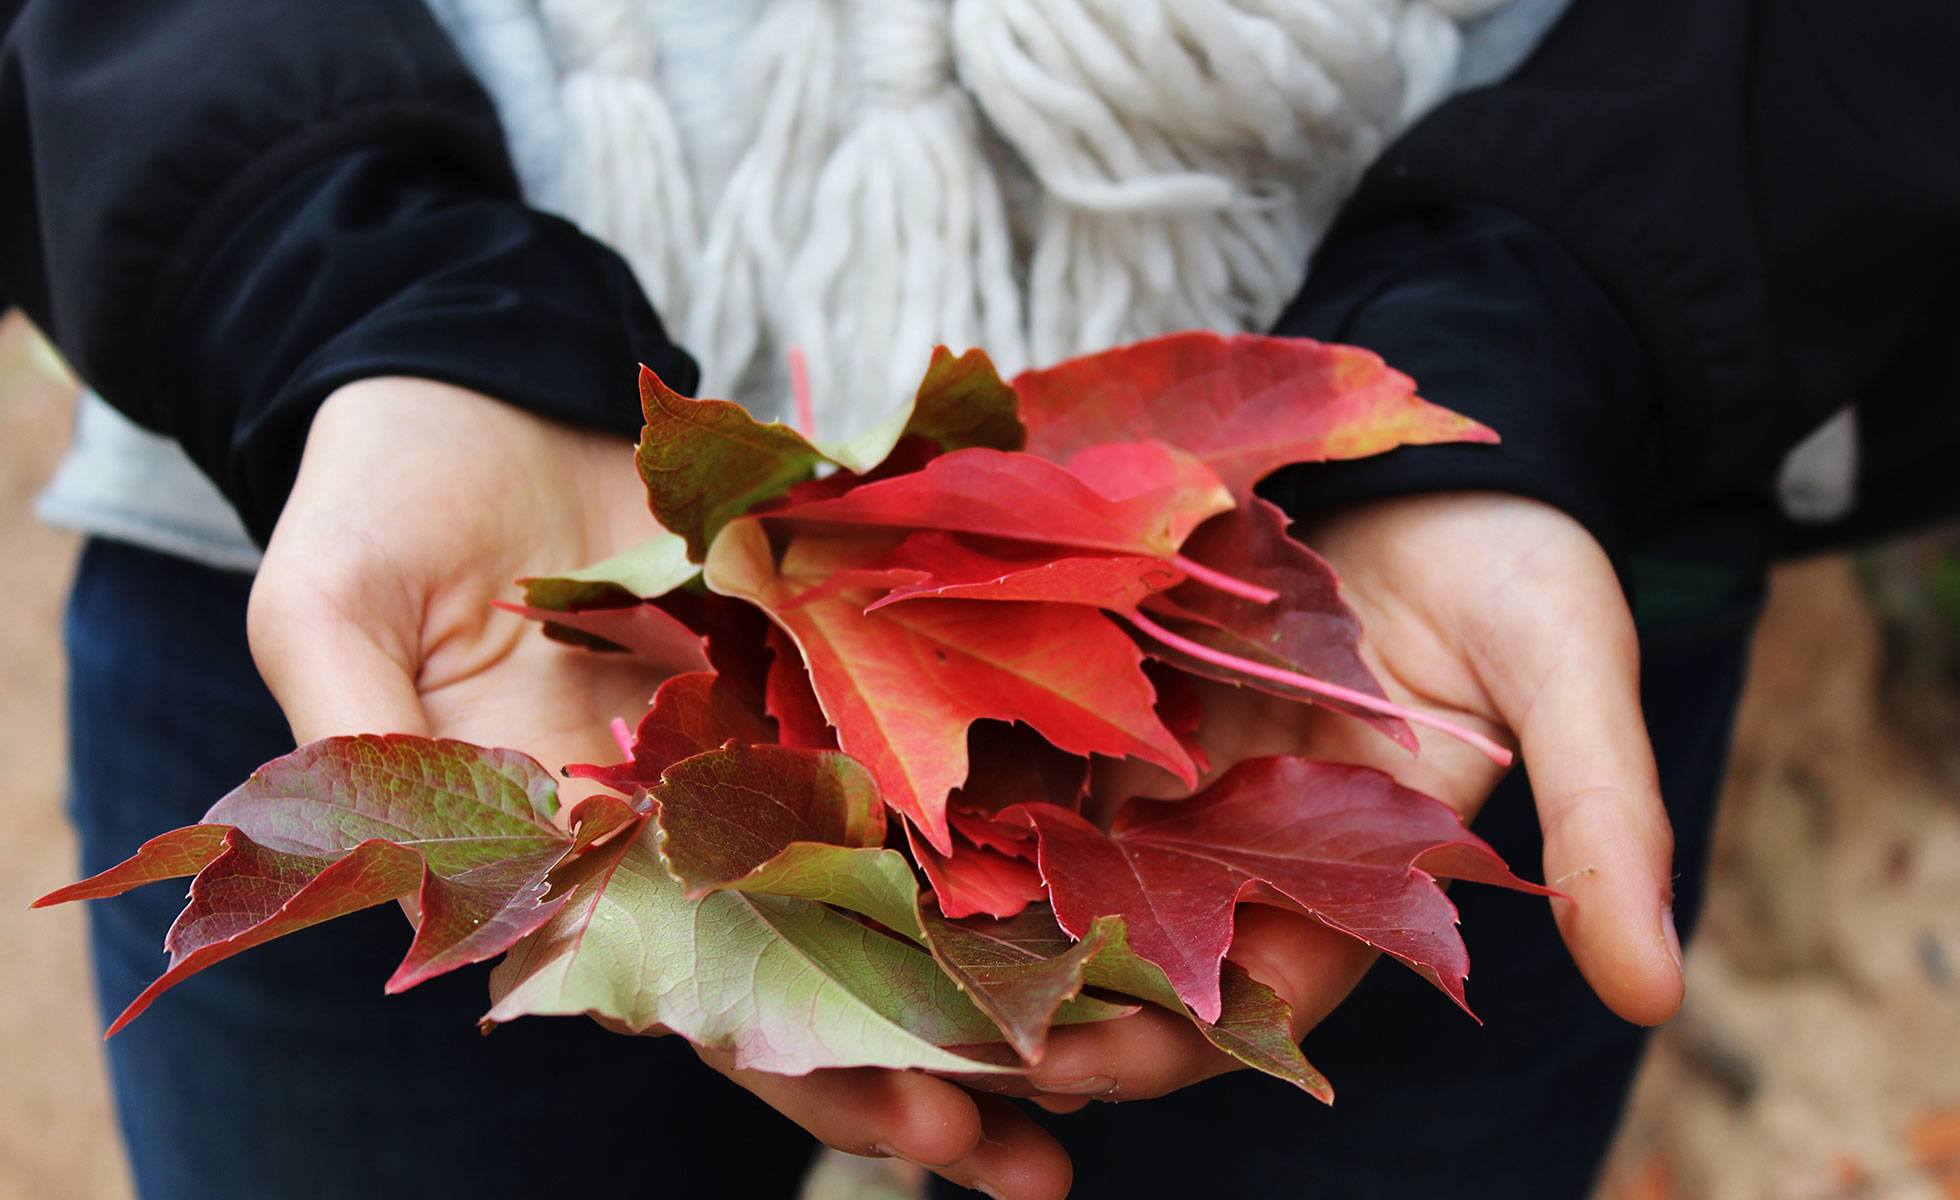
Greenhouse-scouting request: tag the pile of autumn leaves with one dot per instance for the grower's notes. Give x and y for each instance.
(850, 829)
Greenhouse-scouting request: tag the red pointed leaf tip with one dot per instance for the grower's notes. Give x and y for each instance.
(1243, 405)
(170, 855)
(976, 879)
(251, 894)
(1347, 844)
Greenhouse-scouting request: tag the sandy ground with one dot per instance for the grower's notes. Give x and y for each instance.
(56, 1139)
(1818, 1057)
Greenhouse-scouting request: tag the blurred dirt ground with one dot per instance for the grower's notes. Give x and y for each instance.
(1818, 1057)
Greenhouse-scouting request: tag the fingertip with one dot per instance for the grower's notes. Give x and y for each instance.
(1016, 1159)
(937, 1122)
(1625, 947)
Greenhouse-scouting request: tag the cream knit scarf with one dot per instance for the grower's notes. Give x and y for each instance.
(866, 178)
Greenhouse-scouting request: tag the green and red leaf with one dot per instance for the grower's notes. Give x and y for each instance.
(346, 823)
(706, 462)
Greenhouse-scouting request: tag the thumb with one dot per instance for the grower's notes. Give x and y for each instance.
(1608, 844)
(330, 673)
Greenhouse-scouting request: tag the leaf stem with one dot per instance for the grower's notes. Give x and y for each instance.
(622, 736)
(799, 390)
(1212, 577)
(1333, 691)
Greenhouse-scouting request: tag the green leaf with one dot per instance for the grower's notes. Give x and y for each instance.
(1254, 1024)
(961, 402)
(1020, 971)
(652, 568)
(789, 985)
(807, 824)
(874, 883)
(706, 462)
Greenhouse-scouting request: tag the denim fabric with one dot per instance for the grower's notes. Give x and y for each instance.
(285, 1074)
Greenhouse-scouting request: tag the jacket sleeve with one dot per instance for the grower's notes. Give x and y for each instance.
(221, 212)
(1675, 241)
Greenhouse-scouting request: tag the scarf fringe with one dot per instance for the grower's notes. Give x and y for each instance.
(1040, 177)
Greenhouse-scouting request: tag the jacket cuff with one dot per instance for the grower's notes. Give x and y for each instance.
(383, 262)
(1495, 320)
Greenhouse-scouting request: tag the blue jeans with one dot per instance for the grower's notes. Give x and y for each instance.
(286, 1073)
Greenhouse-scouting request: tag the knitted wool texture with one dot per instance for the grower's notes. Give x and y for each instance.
(865, 179)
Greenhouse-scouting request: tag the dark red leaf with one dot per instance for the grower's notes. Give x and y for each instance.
(1347, 844)
(1309, 630)
(691, 715)
(346, 823)
(1012, 764)
(252, 894)
(1182, 710)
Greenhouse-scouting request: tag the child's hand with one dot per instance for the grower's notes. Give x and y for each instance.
(1503, 613)
(417, 504)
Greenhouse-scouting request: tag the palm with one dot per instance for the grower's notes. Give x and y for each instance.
(416, 508)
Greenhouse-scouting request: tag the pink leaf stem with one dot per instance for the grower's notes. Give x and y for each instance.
(1332, 691)
(1211, 577)
(799, 390)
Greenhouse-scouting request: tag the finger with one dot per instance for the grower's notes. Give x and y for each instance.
(1147, 1054)
(1608, 844)
(1156, 1052)
(866, 1111)
(1016, 1158)
(330, 675)
(977, 1142)
(1310, 966)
